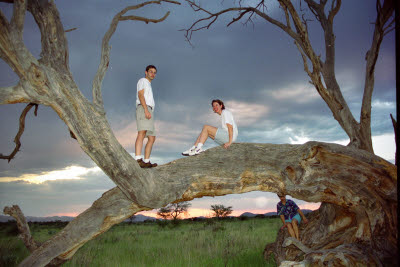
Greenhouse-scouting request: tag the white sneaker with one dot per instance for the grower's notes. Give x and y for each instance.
(196, 151)
(187, 152)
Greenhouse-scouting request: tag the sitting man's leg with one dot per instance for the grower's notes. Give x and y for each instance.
(290, 229)
(295, 222)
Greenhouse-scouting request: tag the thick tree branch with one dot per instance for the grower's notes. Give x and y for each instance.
(54, 42)
(105, 48)
(311, 172)
(23, 227)
(20, 131)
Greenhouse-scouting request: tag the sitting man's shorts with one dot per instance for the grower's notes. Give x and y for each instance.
(144, 124)
(221, 136)
(297, 217)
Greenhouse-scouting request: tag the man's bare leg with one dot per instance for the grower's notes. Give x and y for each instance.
(149, 146)
(290, 229)
(295, 228)
(139, 142)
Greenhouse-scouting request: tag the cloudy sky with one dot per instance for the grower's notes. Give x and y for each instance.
(255, 69)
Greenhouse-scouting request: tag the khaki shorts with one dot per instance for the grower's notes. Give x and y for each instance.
(144, 124)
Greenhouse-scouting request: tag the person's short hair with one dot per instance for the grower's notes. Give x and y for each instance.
(281, 194)
(151, 67)
(219, 102)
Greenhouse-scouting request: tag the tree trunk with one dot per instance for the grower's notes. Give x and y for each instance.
(360, 186)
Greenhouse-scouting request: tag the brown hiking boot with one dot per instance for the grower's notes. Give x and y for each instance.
(143, 164)
(153, 164)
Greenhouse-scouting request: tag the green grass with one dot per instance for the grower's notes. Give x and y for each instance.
(201, 243)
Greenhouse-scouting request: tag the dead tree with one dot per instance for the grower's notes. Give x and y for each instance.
(359, 186)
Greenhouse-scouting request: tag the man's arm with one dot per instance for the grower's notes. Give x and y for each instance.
(143, 103)
(283, 221)
(230, 132)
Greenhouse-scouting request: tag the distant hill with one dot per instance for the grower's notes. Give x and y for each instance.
(3, 218)
(141, 218)
(39, 219)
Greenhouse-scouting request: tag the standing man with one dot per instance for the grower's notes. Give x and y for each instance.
(290, 215)
(144, 118)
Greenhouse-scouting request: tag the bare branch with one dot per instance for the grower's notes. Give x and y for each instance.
(23, 227)
(390, 27)
(212, 17)
(304, 57)
(20, 131)
(17, 20)
(105, 51)
(70, 30)
(384, 13)
(334, 9)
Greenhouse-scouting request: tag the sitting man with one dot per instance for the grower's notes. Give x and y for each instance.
(290, 215)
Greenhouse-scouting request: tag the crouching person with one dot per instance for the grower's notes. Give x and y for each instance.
(290, 215)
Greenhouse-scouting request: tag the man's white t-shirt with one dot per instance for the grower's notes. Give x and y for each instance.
(227, 117)
(145, 84)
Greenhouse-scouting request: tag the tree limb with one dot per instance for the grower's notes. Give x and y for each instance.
(20, 131)
(309, 172)
(54, 42)
(18, 17)
(383, 15)
(105, 50)
(23, 227)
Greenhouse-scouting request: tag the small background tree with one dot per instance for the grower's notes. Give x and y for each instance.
(173, 210)
(221, 211)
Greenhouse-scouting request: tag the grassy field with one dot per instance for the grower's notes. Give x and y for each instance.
(231, 242)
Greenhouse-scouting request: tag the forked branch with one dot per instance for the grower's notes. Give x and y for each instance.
(105, 50)
(20, 131)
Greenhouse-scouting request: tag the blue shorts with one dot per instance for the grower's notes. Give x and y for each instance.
(221, 136)
(297, 217)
